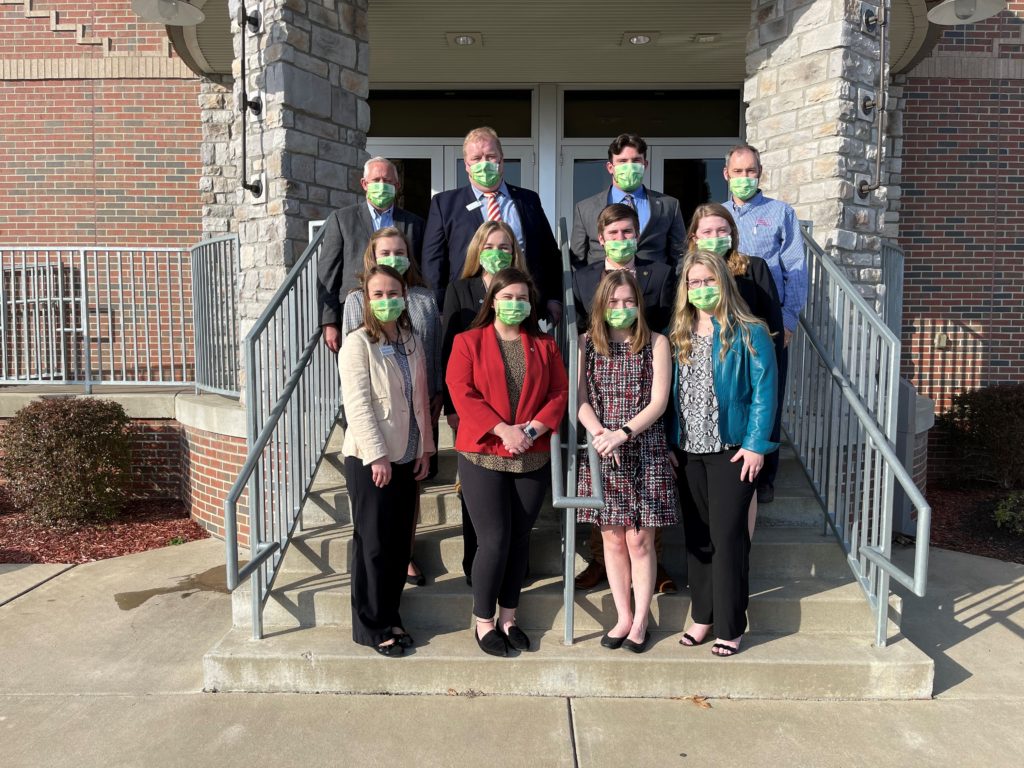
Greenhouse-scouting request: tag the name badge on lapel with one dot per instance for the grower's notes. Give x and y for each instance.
(387, 350)
(474, 205)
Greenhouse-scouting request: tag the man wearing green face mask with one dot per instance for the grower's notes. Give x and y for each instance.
(769, 229)
(347, 232)
(661, 235)
(456, 215)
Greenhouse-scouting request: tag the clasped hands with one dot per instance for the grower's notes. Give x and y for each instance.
(513, 438)
(607, 441)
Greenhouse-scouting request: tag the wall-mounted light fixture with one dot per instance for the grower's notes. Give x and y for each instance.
(950, 13)
(876, 22)
(173, 13)
(248, 23)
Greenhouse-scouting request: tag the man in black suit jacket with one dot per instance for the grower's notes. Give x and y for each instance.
(456, 214)
(657, 281)
(346, 234)
(662, 232)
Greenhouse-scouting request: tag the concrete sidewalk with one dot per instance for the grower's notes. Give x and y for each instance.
(100, 665)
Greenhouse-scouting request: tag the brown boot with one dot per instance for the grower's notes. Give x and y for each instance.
(663, 583)
(591, 576)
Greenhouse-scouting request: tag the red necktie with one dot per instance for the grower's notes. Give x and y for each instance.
(493, 211)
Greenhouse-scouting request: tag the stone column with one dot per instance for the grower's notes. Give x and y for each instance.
(218, 184)
(809, 66)
(309, 65)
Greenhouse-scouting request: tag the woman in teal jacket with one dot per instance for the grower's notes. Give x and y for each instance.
(719, 424)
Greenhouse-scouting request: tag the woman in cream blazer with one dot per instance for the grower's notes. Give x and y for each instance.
(387, 449)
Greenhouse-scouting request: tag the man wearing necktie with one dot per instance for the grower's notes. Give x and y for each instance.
(662, 231)
(346, 234)
(456, 214)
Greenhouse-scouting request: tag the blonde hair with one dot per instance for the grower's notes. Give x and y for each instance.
(599, 331)
(731, 313)
(412, 276)
(472, 266)
(483, 133)
(738, 262)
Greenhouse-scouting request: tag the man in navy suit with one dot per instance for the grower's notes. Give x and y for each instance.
(662, 231)
(455, 216)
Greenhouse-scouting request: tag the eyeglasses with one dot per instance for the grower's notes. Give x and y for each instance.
(692, 284)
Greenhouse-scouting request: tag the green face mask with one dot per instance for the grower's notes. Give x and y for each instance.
(705, 297)
(717, 245)
(629, 176)
(397, 263)
(387, 310)
(380, 194)
(485, 174)
(620, 251)
(512, 312)
(494, 260)
(743, 187)
(620, 318)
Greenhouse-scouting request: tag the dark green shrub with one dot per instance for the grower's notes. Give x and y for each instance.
(986, 430)
(1009, 514)
(68, 461)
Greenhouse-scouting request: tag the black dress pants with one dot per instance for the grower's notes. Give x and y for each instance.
(503, 507)
(714, 503)
(382, 519)
(771, 460)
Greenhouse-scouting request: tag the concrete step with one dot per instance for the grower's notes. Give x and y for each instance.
(777, 606)
(780, 551)
(796, 666)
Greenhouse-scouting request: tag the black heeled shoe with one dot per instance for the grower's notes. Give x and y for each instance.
(404, 639)
(417, 579)
(391, 650)
(493, 643)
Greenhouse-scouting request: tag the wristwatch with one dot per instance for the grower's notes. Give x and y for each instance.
(530, 432)
(628, 431)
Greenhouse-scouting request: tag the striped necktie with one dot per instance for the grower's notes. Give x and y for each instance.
(627, 199)
(493, 211)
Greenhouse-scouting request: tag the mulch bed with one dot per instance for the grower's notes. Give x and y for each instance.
(144, 525)
(962, 521)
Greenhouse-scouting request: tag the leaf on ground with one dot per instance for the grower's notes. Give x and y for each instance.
(700, 701)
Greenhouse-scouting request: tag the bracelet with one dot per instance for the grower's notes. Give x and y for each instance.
(628, 431)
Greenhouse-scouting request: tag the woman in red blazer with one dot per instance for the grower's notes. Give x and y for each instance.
(508, 385)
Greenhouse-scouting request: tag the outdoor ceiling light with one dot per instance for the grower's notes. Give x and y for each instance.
(173, 13)
(705, 37)
(464, 39)
(640, 38)
(953, 12)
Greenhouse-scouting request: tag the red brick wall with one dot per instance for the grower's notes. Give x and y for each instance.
(96, 162)
(211, 463)
(156, 459)
(962, 220)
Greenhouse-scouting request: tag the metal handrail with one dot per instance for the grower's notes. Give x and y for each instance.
(569, 343)
(215, 314)
(892, 287)
(95, 315)
(840, 416)
(292, 400)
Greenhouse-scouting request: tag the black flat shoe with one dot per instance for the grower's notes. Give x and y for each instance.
(404, 639)
(492, 643)
(640, 647)
(516, 638)
(418, 579)
(391, 650)
(614, 643)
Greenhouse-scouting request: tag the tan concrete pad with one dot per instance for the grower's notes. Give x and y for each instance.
(283, 730)
(787, 733)
(16, 578)
(131, 624)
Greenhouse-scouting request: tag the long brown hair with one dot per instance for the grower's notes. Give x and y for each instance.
(412, 276)
(373, 326)
(472, 266)
(599, 330)
(731, 313)
(500, 282)
(738, 262)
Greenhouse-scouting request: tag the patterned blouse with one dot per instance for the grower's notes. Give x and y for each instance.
(515, 371)
(698, 402)
(401, 355)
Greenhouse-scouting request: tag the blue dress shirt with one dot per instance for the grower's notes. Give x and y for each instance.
(640, 202)
(507, 207)
(381, 219)
(769, 229)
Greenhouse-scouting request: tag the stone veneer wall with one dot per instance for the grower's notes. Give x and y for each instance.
(807, 65)
(309, 64)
